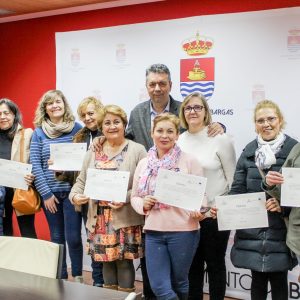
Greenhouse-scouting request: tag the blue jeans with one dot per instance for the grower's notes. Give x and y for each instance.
(168, 258)
(65, 225)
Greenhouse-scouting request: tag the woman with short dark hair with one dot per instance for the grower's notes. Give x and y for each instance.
(11, 131)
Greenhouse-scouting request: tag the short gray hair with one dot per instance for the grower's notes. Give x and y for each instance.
(158, 68)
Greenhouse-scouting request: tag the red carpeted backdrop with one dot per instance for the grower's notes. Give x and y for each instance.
(27, 48)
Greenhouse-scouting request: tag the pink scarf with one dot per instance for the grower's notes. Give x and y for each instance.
(147, 179)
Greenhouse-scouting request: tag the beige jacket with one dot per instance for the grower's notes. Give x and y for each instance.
(124, 216)
(15, 148)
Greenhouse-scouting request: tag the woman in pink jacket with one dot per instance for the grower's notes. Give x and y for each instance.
(172, 234)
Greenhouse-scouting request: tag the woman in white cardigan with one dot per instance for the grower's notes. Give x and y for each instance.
(217, 157)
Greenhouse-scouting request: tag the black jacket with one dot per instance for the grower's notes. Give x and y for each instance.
(260, 249)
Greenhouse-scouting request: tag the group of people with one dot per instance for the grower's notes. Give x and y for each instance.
(176, 246)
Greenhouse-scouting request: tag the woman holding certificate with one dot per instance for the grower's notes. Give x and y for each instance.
(11, 132)
(89, 110)
(217, 157)
(172, 233)
(114, 236)
(273, 180)
(55, 123)
(264, 250)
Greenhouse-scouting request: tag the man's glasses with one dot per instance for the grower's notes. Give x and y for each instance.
(269, 120)
(196, 108)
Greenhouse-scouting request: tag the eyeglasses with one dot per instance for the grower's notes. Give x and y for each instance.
(5, 113)
(269, 120)
(196, 108)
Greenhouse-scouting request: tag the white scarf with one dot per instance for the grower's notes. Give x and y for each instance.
(265, 153)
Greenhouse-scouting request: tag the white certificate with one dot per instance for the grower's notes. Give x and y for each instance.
(106, 185)
(180, 189)
(242, 211)
(67, 156)
(290, 189)
(12, 174)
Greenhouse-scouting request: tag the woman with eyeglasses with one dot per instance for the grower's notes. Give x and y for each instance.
(217, 157)
(264, 250)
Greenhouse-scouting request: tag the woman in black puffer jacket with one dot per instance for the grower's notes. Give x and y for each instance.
(264, 250)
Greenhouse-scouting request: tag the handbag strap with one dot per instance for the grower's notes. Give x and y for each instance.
(22, 145)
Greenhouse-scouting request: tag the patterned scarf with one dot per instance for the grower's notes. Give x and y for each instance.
(147, 180)
(53, 130)
(265, 153)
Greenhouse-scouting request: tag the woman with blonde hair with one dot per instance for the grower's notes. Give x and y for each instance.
(55, 123)
(217, 157)
(172, 233)
(114, 228)
(264, 250)
(89, 111)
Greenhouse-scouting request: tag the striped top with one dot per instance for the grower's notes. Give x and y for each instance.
(45, 181)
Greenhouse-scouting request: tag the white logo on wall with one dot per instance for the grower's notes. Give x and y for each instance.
(293, 40)
(258, 93)
(75, 57)
(121, 53)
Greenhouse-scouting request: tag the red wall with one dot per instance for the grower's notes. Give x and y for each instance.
(27, 48)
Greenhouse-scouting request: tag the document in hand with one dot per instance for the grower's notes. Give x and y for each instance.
(106, 185)
(242, 211)
(67, 156)
(12, 174)
(180, 189)
(290, 189)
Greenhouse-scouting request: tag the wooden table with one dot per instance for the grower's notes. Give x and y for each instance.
(22, 286)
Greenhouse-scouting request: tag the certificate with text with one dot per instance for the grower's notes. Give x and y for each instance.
(12, 174)
(290, 189)
(180, 189)
(106, 185)
(67, 156)
(242, 211)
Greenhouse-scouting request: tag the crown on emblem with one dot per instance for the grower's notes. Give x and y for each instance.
(197, 45)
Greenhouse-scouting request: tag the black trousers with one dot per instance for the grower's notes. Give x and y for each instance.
(211, 250)
(278, 282)
(25, 222)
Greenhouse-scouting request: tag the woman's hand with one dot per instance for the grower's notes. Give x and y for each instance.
(29, 179)
(215, 129)
(51, 163)
(50, 204)
(273, 178)
(213, 212)
(273, 205)
(149, 202)
(116, 205)
(97, 144)
(197, 215)
(80, 199)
